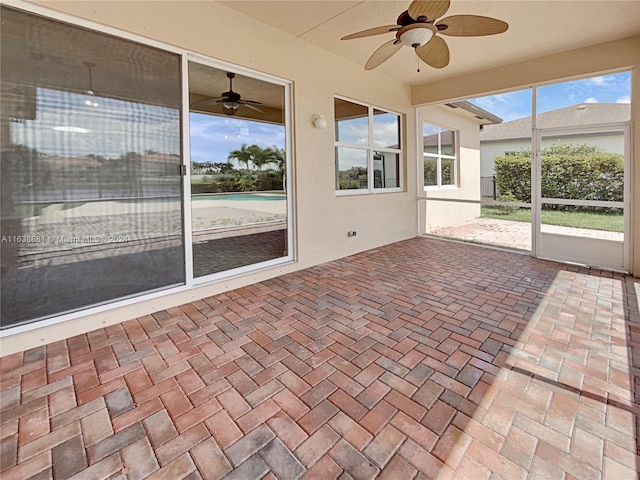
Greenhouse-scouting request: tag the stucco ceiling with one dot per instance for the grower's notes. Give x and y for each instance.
(536, 28)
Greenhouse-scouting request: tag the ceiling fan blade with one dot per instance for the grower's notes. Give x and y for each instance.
(382, 54)
(471, 26)
(434, 53)
(255, 102)
(372, 31)
(251, 107)
(207, 102)
(431, 9)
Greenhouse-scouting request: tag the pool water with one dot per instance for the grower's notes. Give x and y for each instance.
(241, 197)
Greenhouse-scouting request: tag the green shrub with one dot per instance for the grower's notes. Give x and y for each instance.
(507, 209)
(568, 172)
(201, 188)
(431, 172)
(513, 175)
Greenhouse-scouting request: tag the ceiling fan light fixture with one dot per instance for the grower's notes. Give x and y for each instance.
(416, 34)
(89, 91)
(231, 105)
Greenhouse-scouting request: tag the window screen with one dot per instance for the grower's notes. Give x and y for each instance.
(91, 155)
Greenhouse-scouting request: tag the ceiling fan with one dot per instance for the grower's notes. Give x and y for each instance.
(230, 100)
(417, 28)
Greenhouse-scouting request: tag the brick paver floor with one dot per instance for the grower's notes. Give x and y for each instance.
(510, 234)
(421, 359)
(490, 231)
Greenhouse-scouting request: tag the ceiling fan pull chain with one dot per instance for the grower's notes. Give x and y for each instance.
(417, 60)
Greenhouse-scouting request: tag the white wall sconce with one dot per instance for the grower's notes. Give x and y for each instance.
(319, 121)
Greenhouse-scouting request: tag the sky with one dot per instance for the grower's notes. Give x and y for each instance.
(386, 129)
(213, 137)
(614, 88)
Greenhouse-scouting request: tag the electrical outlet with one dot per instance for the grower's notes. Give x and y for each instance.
(351, 233)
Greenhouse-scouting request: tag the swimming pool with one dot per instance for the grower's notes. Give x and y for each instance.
(241, 197)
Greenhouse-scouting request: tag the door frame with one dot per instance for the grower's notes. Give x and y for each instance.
(536, 190)
(289, 187)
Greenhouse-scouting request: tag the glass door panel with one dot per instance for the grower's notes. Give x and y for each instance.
(91, 185)
(582, 204)
(239, 199)
(505, 170)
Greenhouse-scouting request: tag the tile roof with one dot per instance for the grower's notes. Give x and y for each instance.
(574, 115)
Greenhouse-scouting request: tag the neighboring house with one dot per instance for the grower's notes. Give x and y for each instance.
(511, 137)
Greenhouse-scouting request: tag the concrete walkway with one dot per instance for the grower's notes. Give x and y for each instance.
(510, 234)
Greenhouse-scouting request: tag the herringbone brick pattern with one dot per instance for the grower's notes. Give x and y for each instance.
(422, 359)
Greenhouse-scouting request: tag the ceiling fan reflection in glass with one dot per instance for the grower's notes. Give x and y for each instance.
(231, 101)
(91, 102)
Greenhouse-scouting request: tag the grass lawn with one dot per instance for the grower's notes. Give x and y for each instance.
(595, 221)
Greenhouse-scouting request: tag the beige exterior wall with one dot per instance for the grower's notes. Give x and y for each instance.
(491, 150)
(442, 207)
(606, 57)
(322, 219)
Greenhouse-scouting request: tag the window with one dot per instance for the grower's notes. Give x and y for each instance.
(368, 148)
(440, 156)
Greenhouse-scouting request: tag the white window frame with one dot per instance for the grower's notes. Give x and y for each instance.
(439, 156)
(289, 187)
(371, 151)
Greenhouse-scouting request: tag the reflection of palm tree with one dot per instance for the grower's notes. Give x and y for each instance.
(278, 157)
(260, 156)
(243, 155)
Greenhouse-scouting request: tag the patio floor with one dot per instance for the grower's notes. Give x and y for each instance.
(421, 359)
(511, 234)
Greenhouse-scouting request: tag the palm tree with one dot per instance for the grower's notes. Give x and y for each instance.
(243, 155)
(278, 157)
(260, 156)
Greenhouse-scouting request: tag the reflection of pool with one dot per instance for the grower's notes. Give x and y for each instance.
(240, 197)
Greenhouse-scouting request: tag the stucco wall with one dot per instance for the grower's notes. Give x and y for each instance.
(441, 207)
(321, 218)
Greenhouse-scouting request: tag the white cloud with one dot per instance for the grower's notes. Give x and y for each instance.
(591, 100)
(351, 157)
(213, 137)
(508, 106)
(600, 81)
(492, 101)
(503, 97)
(355, 132)
(624, 99)
(485, 102)
(385, 134)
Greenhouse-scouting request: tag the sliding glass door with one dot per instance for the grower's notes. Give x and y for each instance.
(97, 205)
(91, 154)
(239, 199)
